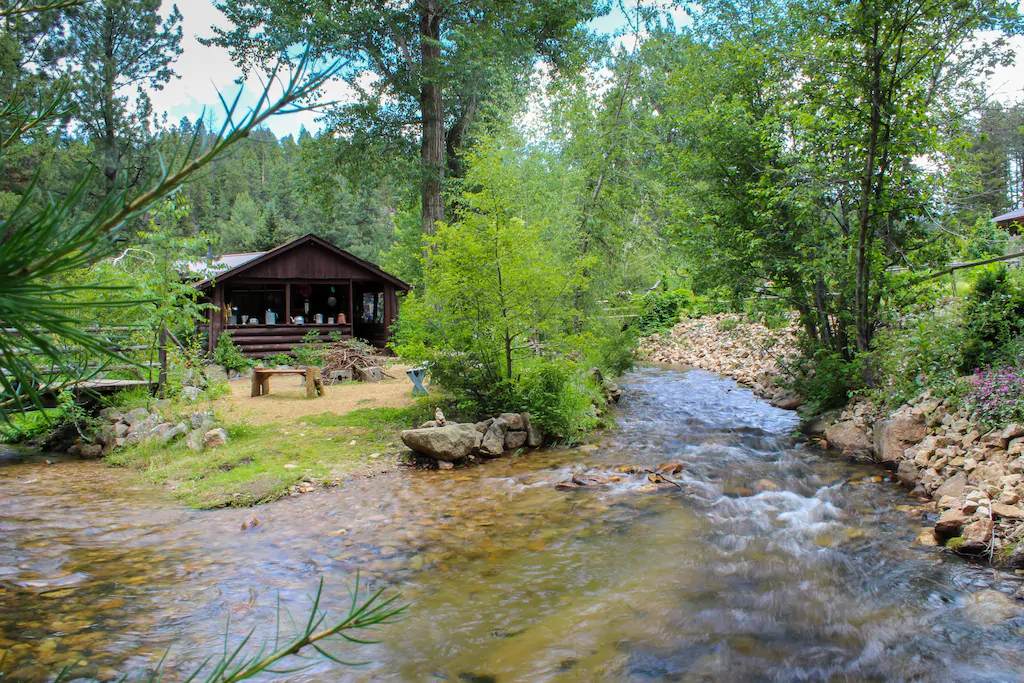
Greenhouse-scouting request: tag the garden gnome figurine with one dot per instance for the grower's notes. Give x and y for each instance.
(439, 417)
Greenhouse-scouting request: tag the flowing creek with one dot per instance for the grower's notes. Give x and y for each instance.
(511, 580)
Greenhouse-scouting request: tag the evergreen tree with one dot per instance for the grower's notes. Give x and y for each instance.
(122, 50)
(269, 234)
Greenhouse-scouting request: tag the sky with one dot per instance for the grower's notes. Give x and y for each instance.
(205, 71)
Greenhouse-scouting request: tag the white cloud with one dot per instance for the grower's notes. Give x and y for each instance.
(206, 70)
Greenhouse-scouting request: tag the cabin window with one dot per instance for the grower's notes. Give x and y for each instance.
(373, 307)
(252, 301)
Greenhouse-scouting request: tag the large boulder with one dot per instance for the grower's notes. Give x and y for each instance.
(451, 442)
(894, 436)
(848, 437)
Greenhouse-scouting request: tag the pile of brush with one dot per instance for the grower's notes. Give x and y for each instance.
(351, 357)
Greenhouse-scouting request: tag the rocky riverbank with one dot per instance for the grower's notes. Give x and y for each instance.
(972, 478)
(749, 352)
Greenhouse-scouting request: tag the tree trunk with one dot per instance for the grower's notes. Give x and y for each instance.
(432, 113)
(109, 141)
(862, 293)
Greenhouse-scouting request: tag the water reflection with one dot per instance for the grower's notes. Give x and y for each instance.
(769, 562)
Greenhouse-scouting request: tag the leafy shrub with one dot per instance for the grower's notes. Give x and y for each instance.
(556, 392)
(559, 398)
(613, 352)
(277, 359)
(921, 348)
(994, 317)
(228, 354)
(661, 310)
(727, 324)
(828, 380)
(996, 395)
(311, 351)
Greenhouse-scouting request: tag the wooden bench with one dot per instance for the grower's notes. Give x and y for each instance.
(261, 380)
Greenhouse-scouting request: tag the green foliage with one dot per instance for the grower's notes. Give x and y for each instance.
(661, 310)
(277, 359)
(728, 324)
(994, 316)
(312, 351)
(921, 348)
(956, 542)
(827, 379)
(613, 352)
(229, 355)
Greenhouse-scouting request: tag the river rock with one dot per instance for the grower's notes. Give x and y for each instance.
(787, 400)
(514, 440)
(168, 435)
(894, 436)
(190, 394)
(91, 450)
(136, 415)
(202, 421)
(1007, 511)
(120, 429)
(215, 438)
(907, 474)
(493, 442)
(953, 487)
(848, 437)
(990, 608)
(950, 523)
(1015, 558)
(111, 415)
(513, 421)
(534, 437)
(194, 440)
(978, 536)
(454, 441)
(1013, 431)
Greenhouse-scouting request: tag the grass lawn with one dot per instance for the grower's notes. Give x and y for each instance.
(262, 462)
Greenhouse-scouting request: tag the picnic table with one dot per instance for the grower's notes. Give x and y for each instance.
(261, 380)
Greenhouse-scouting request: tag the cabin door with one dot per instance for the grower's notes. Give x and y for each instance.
(369, 314)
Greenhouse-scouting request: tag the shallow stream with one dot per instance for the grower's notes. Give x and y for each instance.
(814, 578)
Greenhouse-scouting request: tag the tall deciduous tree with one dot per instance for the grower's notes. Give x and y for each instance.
(424, 69)
(123, 49)
(810, 143)
(882, 79)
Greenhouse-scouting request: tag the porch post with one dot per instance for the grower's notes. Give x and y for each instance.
(287, 303)
(351, 308)
(217, 320)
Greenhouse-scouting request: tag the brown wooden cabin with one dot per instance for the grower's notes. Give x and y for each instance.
(296, 282)
(1011, 222)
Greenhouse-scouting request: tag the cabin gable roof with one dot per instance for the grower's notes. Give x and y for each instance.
(295, 258)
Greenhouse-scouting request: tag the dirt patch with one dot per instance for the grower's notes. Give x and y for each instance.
(287, 397)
